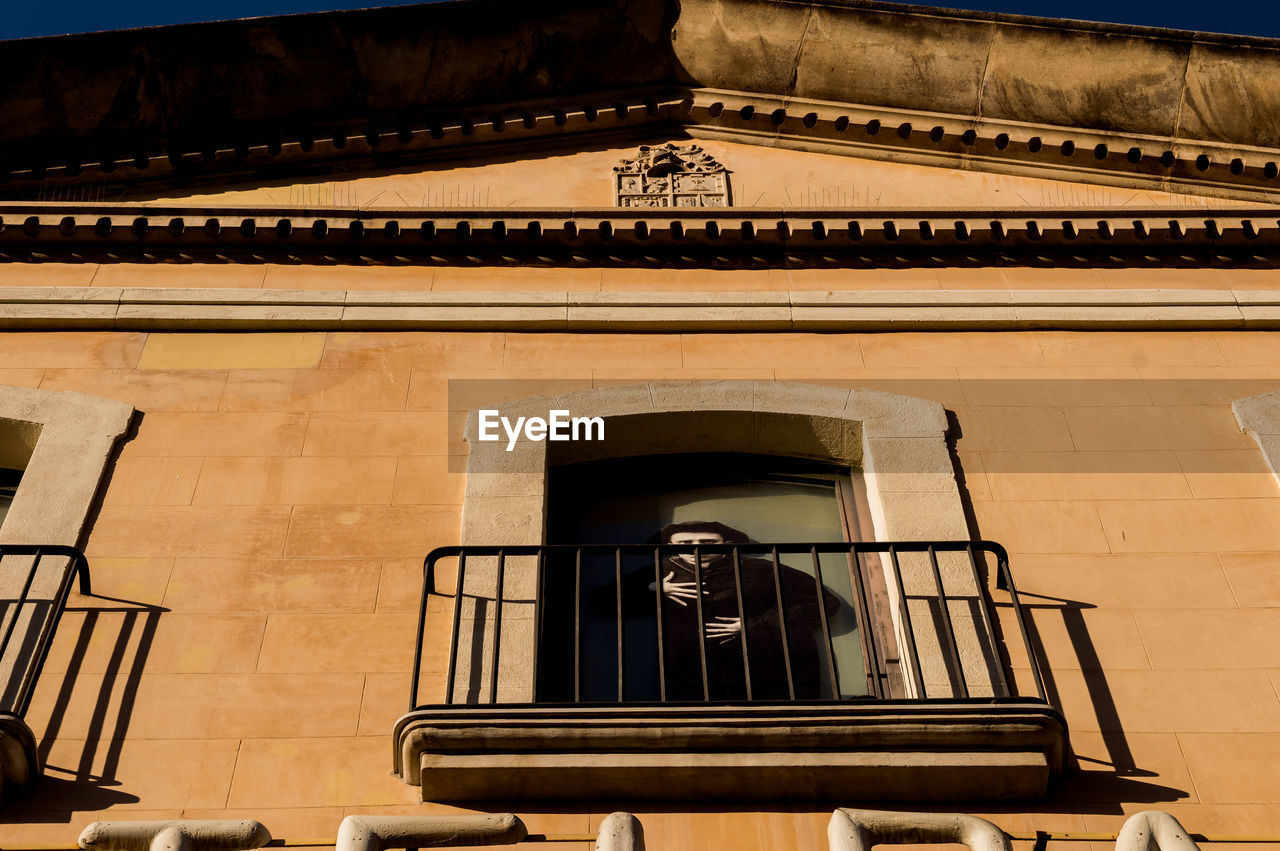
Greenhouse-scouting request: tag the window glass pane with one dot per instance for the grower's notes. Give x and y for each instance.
(8, 487)
(767, 500)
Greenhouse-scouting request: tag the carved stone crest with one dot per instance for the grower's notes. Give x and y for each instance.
(671, 176)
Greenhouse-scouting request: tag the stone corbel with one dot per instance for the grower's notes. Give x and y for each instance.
(620, 832)
(375, 833)
(203, 835)
(859, 830)
(1154, 830)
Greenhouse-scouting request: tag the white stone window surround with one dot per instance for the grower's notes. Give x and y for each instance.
(898, 441)
(62, 440)
(1259, 417)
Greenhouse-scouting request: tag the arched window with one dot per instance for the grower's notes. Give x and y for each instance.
(705, 497)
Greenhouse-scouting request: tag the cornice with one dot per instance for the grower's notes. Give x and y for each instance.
(136, 111)
(1107, 157)
(1167, 163)
(157, 309)
(741, 237)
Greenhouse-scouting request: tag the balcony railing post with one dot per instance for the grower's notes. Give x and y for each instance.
(949, 640)
(19, 605)
(657, 606)
(870, 644)
(986, 618)
(29, 649)
(702, 629)
(1002, 562)
(742, 621)
(497, 625)
(457, 623)
(428, 583)
(577, 626)
(782, 626)
(537, 619)
(617, 584)
(908, 632)
(78, 566)
(826, 628)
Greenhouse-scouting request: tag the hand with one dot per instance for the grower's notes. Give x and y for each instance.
(726, 629)
(677, 592)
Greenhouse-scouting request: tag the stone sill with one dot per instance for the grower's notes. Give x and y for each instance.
(897, 750)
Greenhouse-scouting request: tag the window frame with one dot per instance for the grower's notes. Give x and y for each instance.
(8, 489)
(898, 442)
(879, 654)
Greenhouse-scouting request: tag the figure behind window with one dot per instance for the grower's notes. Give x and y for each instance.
(722, 626)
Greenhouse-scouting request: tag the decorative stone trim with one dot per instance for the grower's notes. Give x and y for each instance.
(671, 175)
(194, 835)
(1259, 417)
(477, 129)
(244, 309)
(1110, 157)
(980, 143)
(709, 237)
(376, 833)
(620, 832)
(1154, 830)
(860, 830)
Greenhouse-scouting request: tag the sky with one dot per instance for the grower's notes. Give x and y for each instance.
(51, 17)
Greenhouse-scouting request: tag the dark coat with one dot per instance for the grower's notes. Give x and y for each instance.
(725, 679)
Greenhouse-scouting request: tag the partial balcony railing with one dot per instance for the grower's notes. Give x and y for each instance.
(718, 624)
(35, 582)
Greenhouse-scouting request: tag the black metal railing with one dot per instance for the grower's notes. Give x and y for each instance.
(35, 582)
(890, 617)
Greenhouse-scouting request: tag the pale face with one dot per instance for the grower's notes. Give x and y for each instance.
(690, 539)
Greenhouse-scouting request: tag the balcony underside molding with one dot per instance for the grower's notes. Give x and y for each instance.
(162, 309)
(904, 751)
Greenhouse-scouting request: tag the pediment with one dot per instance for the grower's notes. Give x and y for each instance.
(716, 173)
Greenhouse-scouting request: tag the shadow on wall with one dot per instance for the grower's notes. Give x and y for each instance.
(90, 711)
(1095, 789)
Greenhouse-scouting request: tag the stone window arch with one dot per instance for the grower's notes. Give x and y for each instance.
(899, 443)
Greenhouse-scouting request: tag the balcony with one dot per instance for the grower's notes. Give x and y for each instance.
(35, 582)
(559, 678)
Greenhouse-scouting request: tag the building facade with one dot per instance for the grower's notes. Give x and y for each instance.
(907, 384)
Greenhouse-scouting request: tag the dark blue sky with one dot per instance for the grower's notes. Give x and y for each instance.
(48, 17)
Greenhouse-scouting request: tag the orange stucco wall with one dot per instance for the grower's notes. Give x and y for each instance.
(259, 546)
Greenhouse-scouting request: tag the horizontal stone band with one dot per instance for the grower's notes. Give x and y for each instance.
(252, 309)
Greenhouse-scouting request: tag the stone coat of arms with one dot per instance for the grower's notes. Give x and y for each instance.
(671, 175)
